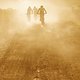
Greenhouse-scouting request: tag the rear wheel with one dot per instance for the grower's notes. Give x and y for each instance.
(42, 20)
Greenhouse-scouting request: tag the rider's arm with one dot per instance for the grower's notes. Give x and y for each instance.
(45, 11)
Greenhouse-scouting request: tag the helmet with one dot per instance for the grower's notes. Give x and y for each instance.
(41, 6)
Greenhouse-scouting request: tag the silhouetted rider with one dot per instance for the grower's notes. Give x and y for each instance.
(35, 12)
(41, 12)
(29, 13)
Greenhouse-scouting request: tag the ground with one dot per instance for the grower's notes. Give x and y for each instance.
(54, 49)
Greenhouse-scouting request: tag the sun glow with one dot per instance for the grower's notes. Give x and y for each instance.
(53, 15)
(50, 17)
(21, 8)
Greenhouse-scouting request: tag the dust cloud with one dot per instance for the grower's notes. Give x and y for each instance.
(54, 48)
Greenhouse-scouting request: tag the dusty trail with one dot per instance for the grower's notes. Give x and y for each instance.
(53, 48)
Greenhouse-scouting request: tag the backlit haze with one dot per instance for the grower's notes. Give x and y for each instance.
(56, 9)
(29, 49)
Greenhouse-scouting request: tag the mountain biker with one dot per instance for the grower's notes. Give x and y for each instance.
(29, 13)
(41, 12)
(35, 12)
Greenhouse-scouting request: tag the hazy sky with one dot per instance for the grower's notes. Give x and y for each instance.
(15, 3)
(9, 3)
(9, 0)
